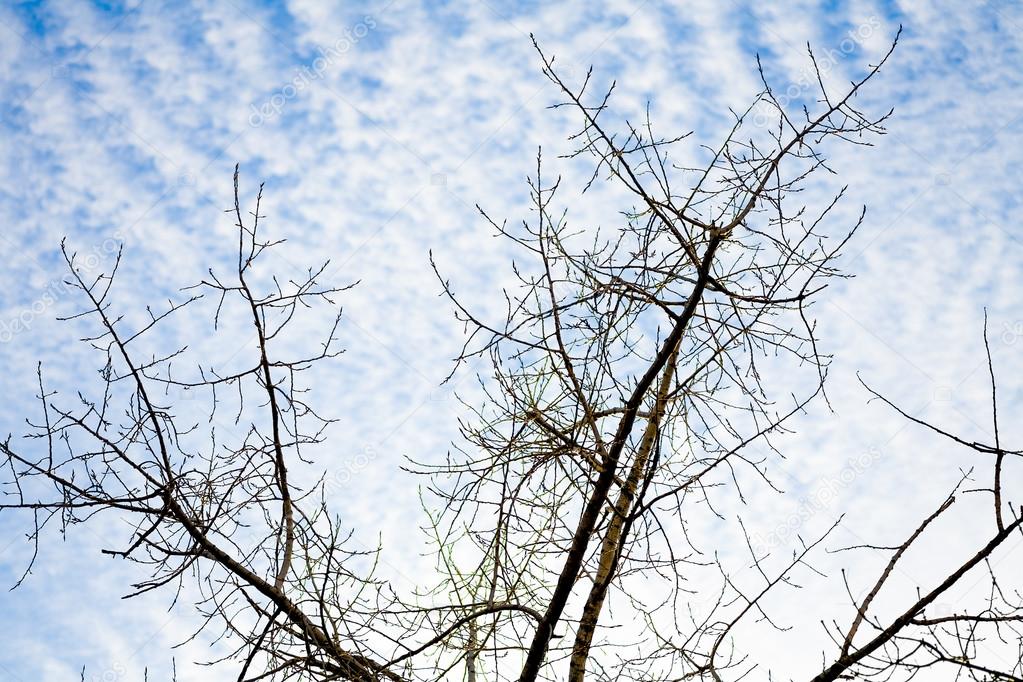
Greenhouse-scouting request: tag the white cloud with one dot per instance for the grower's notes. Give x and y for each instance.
(382, 158)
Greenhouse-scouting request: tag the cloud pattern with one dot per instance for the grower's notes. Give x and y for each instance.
(377, 127)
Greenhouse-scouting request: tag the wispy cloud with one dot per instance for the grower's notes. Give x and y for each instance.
(378, 127)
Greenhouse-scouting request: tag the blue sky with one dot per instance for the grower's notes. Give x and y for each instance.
(377, 127)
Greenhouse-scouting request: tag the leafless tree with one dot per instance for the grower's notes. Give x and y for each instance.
(625, 389)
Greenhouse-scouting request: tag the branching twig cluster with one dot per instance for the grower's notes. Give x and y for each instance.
(626, 388)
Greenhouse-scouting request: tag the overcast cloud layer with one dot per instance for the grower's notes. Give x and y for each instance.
(376, 128)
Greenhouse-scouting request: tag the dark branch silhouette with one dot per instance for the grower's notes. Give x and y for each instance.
(623, 394)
